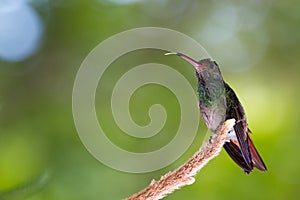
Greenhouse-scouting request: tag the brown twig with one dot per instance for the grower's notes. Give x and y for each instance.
(184, 174)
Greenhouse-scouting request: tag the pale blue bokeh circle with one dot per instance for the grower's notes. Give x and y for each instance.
(20, 30)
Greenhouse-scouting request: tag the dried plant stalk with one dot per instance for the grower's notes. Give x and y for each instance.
(184, 174)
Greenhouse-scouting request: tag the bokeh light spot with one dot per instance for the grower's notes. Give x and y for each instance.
(20, 31)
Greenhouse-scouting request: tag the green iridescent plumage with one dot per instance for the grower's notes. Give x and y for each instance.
(211, 92)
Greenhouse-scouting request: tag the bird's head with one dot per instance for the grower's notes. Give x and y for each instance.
(205, 68)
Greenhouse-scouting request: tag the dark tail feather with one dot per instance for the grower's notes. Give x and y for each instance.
(256, 159)
(241, 135)
(235, 153)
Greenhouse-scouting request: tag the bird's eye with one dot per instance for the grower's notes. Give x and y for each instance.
(211, 65)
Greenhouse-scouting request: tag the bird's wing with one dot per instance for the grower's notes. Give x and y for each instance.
(235, 153)
(242, 136)
(235, 110)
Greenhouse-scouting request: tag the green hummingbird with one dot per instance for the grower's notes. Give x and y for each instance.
(218, 102)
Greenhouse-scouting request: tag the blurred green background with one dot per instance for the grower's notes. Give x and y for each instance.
(42, 44)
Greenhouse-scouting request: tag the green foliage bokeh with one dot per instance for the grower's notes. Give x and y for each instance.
(37, 132)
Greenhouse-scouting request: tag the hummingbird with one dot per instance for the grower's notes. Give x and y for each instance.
(218, 102)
